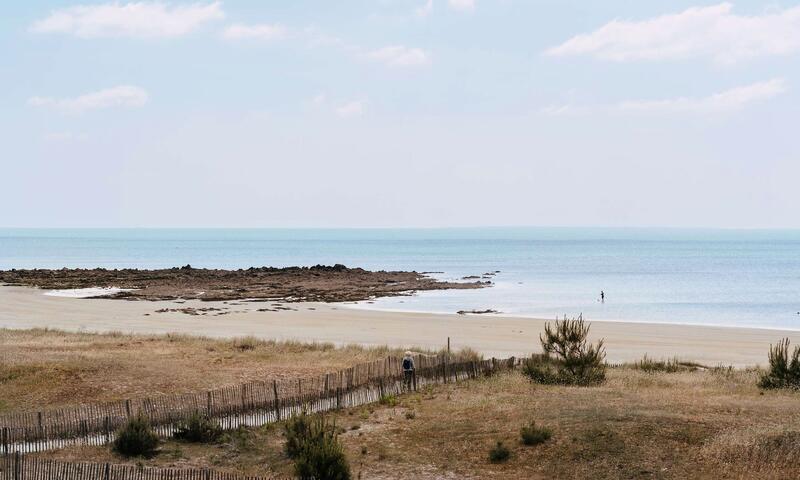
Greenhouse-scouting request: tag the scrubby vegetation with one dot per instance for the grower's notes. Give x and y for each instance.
(533, 434)
(314, 446)
(198, 429)
(568, 358)
(136, 439)
(672, 365)
(499, 453)
(784, 370)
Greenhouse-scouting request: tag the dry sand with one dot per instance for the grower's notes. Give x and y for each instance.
(492, 335)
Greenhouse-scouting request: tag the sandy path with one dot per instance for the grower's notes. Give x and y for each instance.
(499, 336)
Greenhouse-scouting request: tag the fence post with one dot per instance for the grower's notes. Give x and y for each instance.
(107, 472)
(447, 362)
(277, 403)
(128, 408)
(4, 438)
(17, 467)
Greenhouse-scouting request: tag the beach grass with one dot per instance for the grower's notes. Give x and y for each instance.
(44, 368)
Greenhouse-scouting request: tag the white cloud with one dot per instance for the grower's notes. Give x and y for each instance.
(257, 32)
(355, 108)
(425, 9)
(700, 32)
(727, 101)
(461, 5)
(121, 96)
(400, 56)
(136, 19)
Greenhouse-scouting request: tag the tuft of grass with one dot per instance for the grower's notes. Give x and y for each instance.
(389, 400)
(499, 453)
(673, 365)
(532, 434)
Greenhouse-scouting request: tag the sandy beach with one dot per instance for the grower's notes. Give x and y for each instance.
(494, 335)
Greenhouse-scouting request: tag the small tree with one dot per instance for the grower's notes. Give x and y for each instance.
(314, 445)
(568, 356)
(784, 372)
(136, 438)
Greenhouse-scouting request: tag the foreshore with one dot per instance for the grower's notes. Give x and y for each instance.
(492, 335)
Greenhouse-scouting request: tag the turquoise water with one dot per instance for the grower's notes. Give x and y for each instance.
(712, 277)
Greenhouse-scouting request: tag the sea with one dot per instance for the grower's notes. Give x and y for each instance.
(739, 278)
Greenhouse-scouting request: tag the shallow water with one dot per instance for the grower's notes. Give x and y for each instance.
(712, 277)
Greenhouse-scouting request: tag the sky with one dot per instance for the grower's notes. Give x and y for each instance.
(399, 113)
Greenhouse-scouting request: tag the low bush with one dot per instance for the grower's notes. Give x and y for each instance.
(784, 370)
(198, 429)
(532, 434)
(314, 445)
(568, 357)
(499, 453)
(389, 400)
(136, 439)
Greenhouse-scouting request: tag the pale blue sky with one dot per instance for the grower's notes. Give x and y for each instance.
(400, 113)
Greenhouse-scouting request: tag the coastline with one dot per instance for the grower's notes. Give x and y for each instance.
(492, 335)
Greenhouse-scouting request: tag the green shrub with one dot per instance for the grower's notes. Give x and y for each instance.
(314, 446)
(499, 453)
(198, 429)
(533, 435)
(297, 431)
(784, 372)
(136, 438)
(389, 400)
(568, 358)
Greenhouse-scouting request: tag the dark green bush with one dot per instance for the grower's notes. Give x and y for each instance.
(499, 453)
(534, 435)
(198, 429)
(136, 439)
(784, 372)
(568, 358)
(314, 446)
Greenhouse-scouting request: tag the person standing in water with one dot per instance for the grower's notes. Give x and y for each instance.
(602, 296)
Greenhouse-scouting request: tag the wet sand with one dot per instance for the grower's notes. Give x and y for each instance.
(492, 335)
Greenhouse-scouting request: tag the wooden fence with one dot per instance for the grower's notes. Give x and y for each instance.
(19, 467)
(250, 404)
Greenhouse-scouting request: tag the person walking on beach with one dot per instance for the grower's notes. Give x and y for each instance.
(602, 296)
(408, 371)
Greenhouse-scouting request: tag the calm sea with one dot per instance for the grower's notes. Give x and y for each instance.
(712, 277)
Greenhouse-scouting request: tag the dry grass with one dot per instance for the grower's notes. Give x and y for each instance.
(46, 368)
(689, 424)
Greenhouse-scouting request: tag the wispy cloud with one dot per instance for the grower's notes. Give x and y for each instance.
(125, 96)
(255, 32)
(461, 5)
(425, 9)
(354, 108)
(400, 56)
(713, 32)
(136, 19)
(726, 101)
